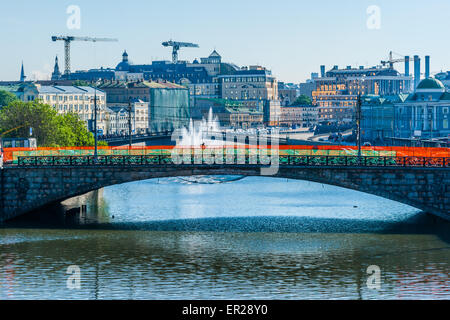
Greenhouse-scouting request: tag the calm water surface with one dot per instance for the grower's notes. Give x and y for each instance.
(256, 238)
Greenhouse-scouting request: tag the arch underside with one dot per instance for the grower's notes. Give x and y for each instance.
(368, 181)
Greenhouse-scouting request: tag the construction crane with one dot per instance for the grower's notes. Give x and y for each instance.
(177, 46)
(68, 39)
(393, 61)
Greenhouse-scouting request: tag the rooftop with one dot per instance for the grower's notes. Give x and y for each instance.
(66, 90)
(163, 85)
(144, 84)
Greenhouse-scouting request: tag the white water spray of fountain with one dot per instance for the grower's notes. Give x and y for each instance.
(198, 134)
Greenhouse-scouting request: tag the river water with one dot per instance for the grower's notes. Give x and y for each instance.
(255, 238)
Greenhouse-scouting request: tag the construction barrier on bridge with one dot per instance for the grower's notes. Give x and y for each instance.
(11, 155)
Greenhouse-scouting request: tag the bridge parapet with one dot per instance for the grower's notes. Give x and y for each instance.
(295, 160)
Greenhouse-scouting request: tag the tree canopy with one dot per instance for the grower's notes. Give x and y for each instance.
(303, 100)
(49, 128)
(6, 98)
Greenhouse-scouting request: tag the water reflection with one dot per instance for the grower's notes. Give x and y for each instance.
(252, 239)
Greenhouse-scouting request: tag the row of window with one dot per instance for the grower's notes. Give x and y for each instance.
(67, 97)
(244, 79)
(76, 107)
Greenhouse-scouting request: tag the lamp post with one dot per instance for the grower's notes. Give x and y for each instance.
(358, 123)
(95, 123)
(95, 127)
(359, 116)
(129, 123)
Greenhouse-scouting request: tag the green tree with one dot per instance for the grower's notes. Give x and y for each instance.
(74, 131)
(49, 128)
(303, 100)
(6, 98)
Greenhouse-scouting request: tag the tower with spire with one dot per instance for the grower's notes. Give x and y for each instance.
(56, 75)
(22, 74)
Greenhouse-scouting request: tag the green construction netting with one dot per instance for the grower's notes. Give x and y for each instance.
(169, 109)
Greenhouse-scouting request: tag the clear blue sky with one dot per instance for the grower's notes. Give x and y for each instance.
(291, 37)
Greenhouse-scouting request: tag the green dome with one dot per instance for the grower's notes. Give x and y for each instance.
(430, 83)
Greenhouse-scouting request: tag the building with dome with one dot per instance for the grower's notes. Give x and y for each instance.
(124, 65)
(423, 114)
(199, 76)
(203, 77)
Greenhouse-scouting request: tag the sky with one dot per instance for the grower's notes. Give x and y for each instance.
(291, 37)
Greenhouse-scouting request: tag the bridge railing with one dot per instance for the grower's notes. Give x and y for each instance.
(288, 160)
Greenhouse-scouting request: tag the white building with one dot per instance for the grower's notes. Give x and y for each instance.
(69, 99)
(119, 115)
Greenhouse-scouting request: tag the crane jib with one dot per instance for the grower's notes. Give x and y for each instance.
(68, 39)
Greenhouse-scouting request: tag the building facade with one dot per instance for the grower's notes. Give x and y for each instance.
(288, 93)
(336, 91)
(251, 86)
(69, 99)
(207, 77)
(167, 104)
(119, 115)
(423, 114)
(303, 116)
(235, 114)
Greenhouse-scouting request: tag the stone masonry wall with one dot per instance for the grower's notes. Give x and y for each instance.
(26, 189)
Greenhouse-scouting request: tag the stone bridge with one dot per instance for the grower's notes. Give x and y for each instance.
(32, 185)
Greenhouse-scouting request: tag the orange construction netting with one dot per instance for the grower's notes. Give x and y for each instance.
(12, 154)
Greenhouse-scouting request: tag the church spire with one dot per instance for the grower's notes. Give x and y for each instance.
(22, 74)
(56, 75)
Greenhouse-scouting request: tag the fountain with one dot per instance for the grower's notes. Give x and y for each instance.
(198, 134)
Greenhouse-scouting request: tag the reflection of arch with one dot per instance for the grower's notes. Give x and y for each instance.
(422, 188)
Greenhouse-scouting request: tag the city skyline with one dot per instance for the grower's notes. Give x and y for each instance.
(292, 39)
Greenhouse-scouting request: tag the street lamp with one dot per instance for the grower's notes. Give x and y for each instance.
(358, 124)
(95, 123)
(359, 116)
(129, 123)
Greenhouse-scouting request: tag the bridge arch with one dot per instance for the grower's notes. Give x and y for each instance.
(28, 188)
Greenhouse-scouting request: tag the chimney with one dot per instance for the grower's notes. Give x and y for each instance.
(416, 71)
(407, 66)
(322, 71)
(427, 67)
